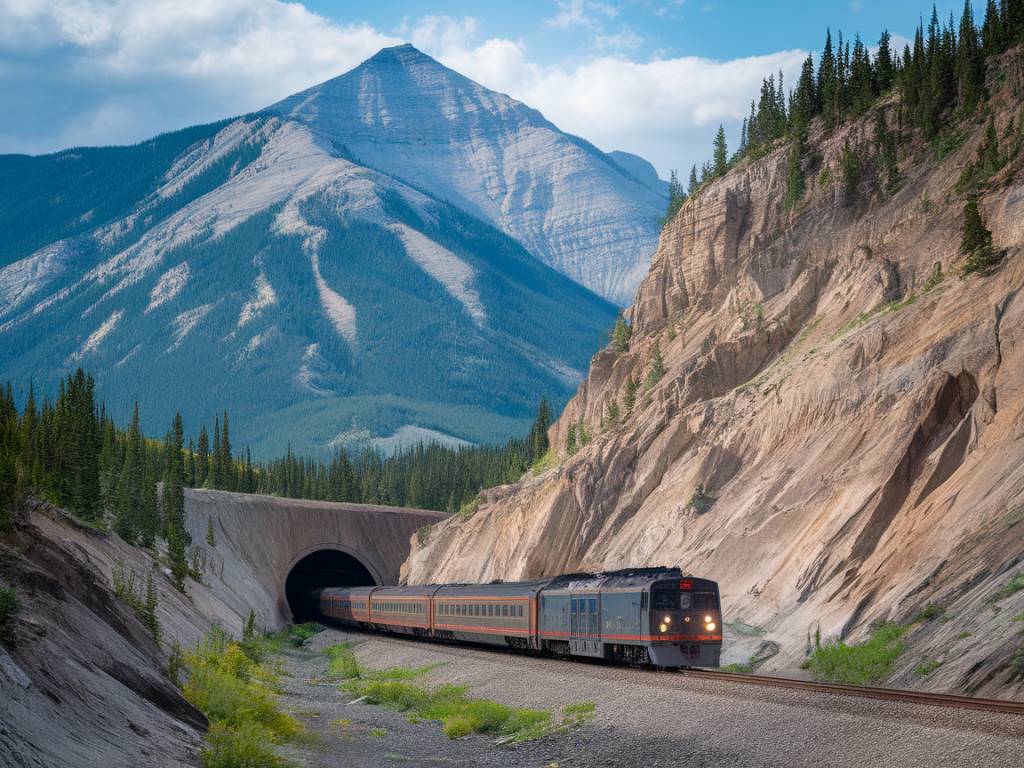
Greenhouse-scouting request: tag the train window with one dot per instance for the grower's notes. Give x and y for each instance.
(490, 610)
(504, 610)
(705, 601)
(573, 605)
(476, 610)
(593, 605)
(665, 598)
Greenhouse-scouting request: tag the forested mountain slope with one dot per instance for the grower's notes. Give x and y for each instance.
(820, 404)
(258, 265)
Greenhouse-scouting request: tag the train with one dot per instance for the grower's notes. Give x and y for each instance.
(643, 616)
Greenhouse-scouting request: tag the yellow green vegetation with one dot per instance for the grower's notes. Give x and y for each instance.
(238, 693)
(927, 666)
(1012, 587)
(863, 318)
(459, 714)
(859, 664)
(1015, 516)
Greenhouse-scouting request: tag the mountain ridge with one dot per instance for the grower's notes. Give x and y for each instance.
(261, 261)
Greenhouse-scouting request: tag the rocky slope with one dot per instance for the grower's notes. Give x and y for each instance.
(85, 683)
(857, 423)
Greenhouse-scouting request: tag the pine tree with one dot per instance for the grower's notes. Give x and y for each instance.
(970, 64)
(988, 163)
(693, 184)
(657, 367)
(992, 30)
(211, 540)
(629, 400)
(570, 439)
(849, 164)
(249, 630)
(216, 467)
(174, 503)
(621, 334)
(885, 144)
(885, 69)
(148, 613)
(128, 516)
(721, 153)
(676, 196)
(202, 458)
(805, 98)
(828, 85)
(976, 240)
(539, 431)
(227, 461)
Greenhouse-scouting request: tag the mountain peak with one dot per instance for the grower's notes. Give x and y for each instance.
(405, 54)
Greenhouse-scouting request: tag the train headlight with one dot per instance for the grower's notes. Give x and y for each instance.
(667, 620)
(711, 626)
(663, 627)
(708, 619)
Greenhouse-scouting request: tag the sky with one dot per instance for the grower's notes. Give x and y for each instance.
(652, 77)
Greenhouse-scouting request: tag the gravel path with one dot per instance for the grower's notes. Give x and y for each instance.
(643, 719)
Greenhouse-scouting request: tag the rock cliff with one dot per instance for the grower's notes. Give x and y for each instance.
(838, 434)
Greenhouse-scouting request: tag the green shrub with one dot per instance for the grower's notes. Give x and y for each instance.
(702, 500)
(245, 747)
(1012, 587)
(927, 666)
(342, 662)
(237, 694)
(929, 612)
(9, 607)
(862, 664)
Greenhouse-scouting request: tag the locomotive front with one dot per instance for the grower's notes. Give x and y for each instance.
(685, 623)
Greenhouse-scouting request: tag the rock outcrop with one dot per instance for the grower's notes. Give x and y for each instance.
(839, 432)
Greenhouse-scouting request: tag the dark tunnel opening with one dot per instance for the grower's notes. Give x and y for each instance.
(319, 570)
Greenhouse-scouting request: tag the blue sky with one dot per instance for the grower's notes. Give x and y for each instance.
(653, 77)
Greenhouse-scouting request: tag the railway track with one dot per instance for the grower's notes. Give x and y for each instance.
(889, 694)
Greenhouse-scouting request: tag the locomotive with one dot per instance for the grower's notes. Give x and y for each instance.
(640, 616)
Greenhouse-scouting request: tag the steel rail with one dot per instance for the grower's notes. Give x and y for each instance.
(1004, 706)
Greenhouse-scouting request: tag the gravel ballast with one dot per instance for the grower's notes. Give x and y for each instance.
(643, 718)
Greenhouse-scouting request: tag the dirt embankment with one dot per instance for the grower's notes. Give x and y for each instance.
(84, 684)
(855, 418)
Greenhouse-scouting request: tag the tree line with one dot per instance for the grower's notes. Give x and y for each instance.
(940, 77)
(70, 451)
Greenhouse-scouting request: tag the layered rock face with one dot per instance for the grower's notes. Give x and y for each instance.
(839, 432)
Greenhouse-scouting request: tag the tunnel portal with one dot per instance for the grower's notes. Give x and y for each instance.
(319, 570)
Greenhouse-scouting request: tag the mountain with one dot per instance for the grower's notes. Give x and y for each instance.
(838, 433)
(306, 273)
(591, 216)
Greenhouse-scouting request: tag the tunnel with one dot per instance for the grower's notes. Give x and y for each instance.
(318, 570)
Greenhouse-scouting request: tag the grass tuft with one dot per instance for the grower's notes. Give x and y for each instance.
(861, 664)
(927, 666)
(458, 713)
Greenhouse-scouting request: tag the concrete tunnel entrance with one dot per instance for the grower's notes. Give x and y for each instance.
(319, 570)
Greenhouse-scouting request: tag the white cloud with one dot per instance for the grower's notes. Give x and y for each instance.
(580, 13)
(124, 70)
